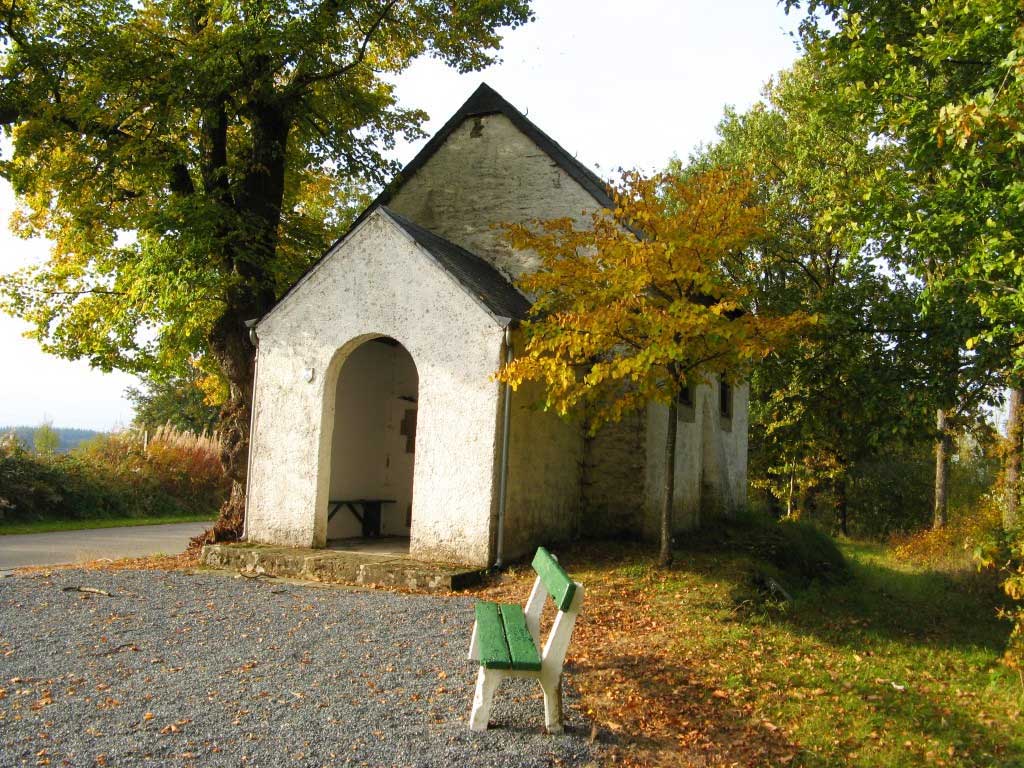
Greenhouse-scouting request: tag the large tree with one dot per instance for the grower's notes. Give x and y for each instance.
(639, 305)
(190, 158)
(942, 80)
(851, 386)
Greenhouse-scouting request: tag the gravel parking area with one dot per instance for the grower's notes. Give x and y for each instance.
(203, 669)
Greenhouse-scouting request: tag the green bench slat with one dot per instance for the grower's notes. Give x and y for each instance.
(520, 642)
(556, 580)
(490, 635)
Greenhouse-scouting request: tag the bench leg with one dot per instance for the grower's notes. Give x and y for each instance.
(552, 687)
(487, 682)
(474, 645)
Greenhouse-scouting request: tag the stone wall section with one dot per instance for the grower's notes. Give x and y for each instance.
(367, 287)
(486, 174)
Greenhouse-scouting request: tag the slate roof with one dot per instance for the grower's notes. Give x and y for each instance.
(476, 276)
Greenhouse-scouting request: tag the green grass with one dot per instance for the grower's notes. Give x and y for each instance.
(896, 666)
(46, 526)
(887, 666)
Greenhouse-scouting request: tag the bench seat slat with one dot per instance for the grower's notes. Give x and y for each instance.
(556, 580)
(520, 643)
(491, 636)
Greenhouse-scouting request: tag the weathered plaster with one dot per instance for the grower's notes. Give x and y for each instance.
(711, 462)
(489, 173)
(545, 463)
(377, 283)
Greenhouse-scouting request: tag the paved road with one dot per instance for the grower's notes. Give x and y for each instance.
(78, 546)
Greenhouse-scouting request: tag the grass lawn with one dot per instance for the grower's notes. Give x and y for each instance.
(896, 666)
(44, 526)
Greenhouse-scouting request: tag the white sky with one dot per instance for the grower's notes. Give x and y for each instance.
(616, 88)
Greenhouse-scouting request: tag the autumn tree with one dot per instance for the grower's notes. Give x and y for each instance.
(636, 307)
(190, 158)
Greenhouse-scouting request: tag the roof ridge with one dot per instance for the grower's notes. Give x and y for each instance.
(487, 101)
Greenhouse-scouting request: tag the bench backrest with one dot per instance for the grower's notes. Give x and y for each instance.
(568, 597)
(556, 581)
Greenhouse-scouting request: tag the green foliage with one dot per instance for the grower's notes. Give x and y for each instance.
(234, 140)
(69, 436)
(45, 439)
(113, 476)
(175, 400)
(940, 80)
(855, 381)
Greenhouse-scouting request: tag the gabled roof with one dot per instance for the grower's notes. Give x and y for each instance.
(487, 101)
(481, 281)
(478, 278)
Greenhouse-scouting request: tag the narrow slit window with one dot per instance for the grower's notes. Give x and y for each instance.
(725, 400)
(685, 396)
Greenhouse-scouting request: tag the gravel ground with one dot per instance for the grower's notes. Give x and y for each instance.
(203, 669)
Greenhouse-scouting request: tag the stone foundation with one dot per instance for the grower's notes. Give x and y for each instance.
(340, 567)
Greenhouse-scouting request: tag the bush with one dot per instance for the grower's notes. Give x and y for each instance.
(176, 473)
(801, 552)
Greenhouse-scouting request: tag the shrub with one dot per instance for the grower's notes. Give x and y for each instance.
(114, 476)
(801, 552)
(969, 528)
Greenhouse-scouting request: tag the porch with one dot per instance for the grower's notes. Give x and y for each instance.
(381, 561)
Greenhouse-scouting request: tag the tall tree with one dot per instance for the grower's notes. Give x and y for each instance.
(190, 158)
(620, 320)
(851, 385)
(942, 80)
(45, 439)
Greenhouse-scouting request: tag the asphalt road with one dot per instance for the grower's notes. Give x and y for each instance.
(59, 547)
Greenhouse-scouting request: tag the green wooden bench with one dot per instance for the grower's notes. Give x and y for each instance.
(506, 642)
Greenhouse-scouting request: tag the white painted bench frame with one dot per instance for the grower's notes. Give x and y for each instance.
(551, 660)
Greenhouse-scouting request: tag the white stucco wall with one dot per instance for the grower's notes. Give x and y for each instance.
(545, 466)
(711, 460)
(377, 386)
(489, 173)
(377, 282)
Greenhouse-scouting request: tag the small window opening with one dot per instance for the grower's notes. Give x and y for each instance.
(725, 400)
(685, 396)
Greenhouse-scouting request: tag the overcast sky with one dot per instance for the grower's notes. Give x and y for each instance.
(618, 85)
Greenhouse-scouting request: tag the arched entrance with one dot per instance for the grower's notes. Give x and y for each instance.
(373, 445)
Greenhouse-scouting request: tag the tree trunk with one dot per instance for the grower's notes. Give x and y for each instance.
(943, 447)
(259, 200)
(231, 347)
(665, 555)
(789, 495)
(842, 505)
(1015, 438)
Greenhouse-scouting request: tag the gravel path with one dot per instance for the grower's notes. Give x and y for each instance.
(203, 669)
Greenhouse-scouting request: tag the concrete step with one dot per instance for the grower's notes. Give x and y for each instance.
(340, 567)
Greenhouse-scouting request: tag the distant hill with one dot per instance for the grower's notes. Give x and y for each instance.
(69, 438)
